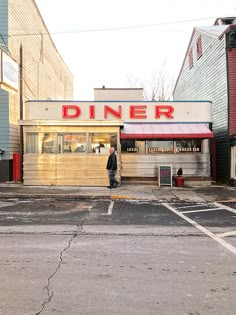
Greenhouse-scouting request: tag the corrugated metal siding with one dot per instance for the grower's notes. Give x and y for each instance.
(232, 90)
(207, 80)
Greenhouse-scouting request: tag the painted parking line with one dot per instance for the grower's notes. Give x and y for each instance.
(224, 207)
(216, 238)
(193, 206)
(110, 208)
(226, 234)
(202, 210)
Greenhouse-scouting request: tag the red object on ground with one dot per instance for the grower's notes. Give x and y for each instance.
(16, 166)
(179, 181)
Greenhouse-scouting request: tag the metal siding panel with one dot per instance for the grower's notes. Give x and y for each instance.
(232, 90)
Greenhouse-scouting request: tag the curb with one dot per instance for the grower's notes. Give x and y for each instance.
(50, 196)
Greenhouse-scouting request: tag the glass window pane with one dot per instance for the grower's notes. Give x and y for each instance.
(133, 146)
(100, 143)
(31, 143)
(160, 146)
(47, 140)
(188, 145)
(71, 142)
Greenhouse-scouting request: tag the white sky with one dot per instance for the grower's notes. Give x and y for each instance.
(114, 57)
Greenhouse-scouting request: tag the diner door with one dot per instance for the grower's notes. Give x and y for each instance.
(233, 162)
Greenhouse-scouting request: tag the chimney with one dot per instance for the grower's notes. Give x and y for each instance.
(225, 20)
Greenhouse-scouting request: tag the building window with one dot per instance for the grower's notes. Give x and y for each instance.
(160, 146)
(31, 143)
(188, 145)
(133, 146)
(100, 143)
(190, 58)
(199, 47)
(71, 142)
(47, 140)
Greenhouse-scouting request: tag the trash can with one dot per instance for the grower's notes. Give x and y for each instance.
(5, 170)
(179, 181)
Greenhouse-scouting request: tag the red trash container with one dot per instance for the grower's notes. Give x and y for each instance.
(179, 181)
(16, 166)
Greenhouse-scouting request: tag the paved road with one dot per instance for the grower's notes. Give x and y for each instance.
(117, 257)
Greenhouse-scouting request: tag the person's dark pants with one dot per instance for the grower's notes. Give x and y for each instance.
(113, 181)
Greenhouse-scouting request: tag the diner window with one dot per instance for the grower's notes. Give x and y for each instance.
(188, 145)
(100, 143)
(72, 143)
(47, 140)
(160, 146)
(133, 146)
(31, 143)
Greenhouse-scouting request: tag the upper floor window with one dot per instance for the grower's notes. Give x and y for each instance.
(190, 58)
(199, 47)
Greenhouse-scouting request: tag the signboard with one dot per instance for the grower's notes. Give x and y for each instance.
(130, 112)
(165, 175)
(9, 78)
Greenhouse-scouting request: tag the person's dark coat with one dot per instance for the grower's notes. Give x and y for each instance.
(112, 162)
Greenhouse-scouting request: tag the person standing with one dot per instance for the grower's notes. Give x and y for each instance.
(112, 168)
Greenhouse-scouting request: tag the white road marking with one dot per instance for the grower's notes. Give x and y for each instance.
(7, 204)
(224, 207)
(204, 230)
(192, 206)
(225, 234)
(109, 212)
(202, 210)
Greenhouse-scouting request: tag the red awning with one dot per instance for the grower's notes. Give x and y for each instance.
(164, 131)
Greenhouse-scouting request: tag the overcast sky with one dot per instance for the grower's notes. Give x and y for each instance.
(114, 43)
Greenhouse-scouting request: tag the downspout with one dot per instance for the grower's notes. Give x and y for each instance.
(21, 113)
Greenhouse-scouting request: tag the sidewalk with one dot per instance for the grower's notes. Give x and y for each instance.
(209, 193)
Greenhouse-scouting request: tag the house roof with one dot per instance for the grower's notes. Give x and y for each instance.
(214, 30)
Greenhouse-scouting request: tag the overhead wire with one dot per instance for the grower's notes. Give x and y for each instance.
(112, 28)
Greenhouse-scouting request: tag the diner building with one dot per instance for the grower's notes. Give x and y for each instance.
(67, 142)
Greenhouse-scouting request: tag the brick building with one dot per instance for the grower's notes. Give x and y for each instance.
(44, 73)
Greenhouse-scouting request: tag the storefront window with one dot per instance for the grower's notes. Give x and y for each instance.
(100, 143)
(70, 143)
(191, 145)
(31, 143)
(160, 146)
(48, 142)
(133, 146)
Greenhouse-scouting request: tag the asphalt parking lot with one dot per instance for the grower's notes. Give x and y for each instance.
(116, 256)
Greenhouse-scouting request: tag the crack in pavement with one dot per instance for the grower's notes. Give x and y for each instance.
(50, 292)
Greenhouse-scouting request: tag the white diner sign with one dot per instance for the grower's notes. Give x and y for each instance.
(125, 111)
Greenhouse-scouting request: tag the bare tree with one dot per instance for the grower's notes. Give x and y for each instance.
(158, 88)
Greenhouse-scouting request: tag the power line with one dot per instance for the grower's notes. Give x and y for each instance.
(112, 28)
